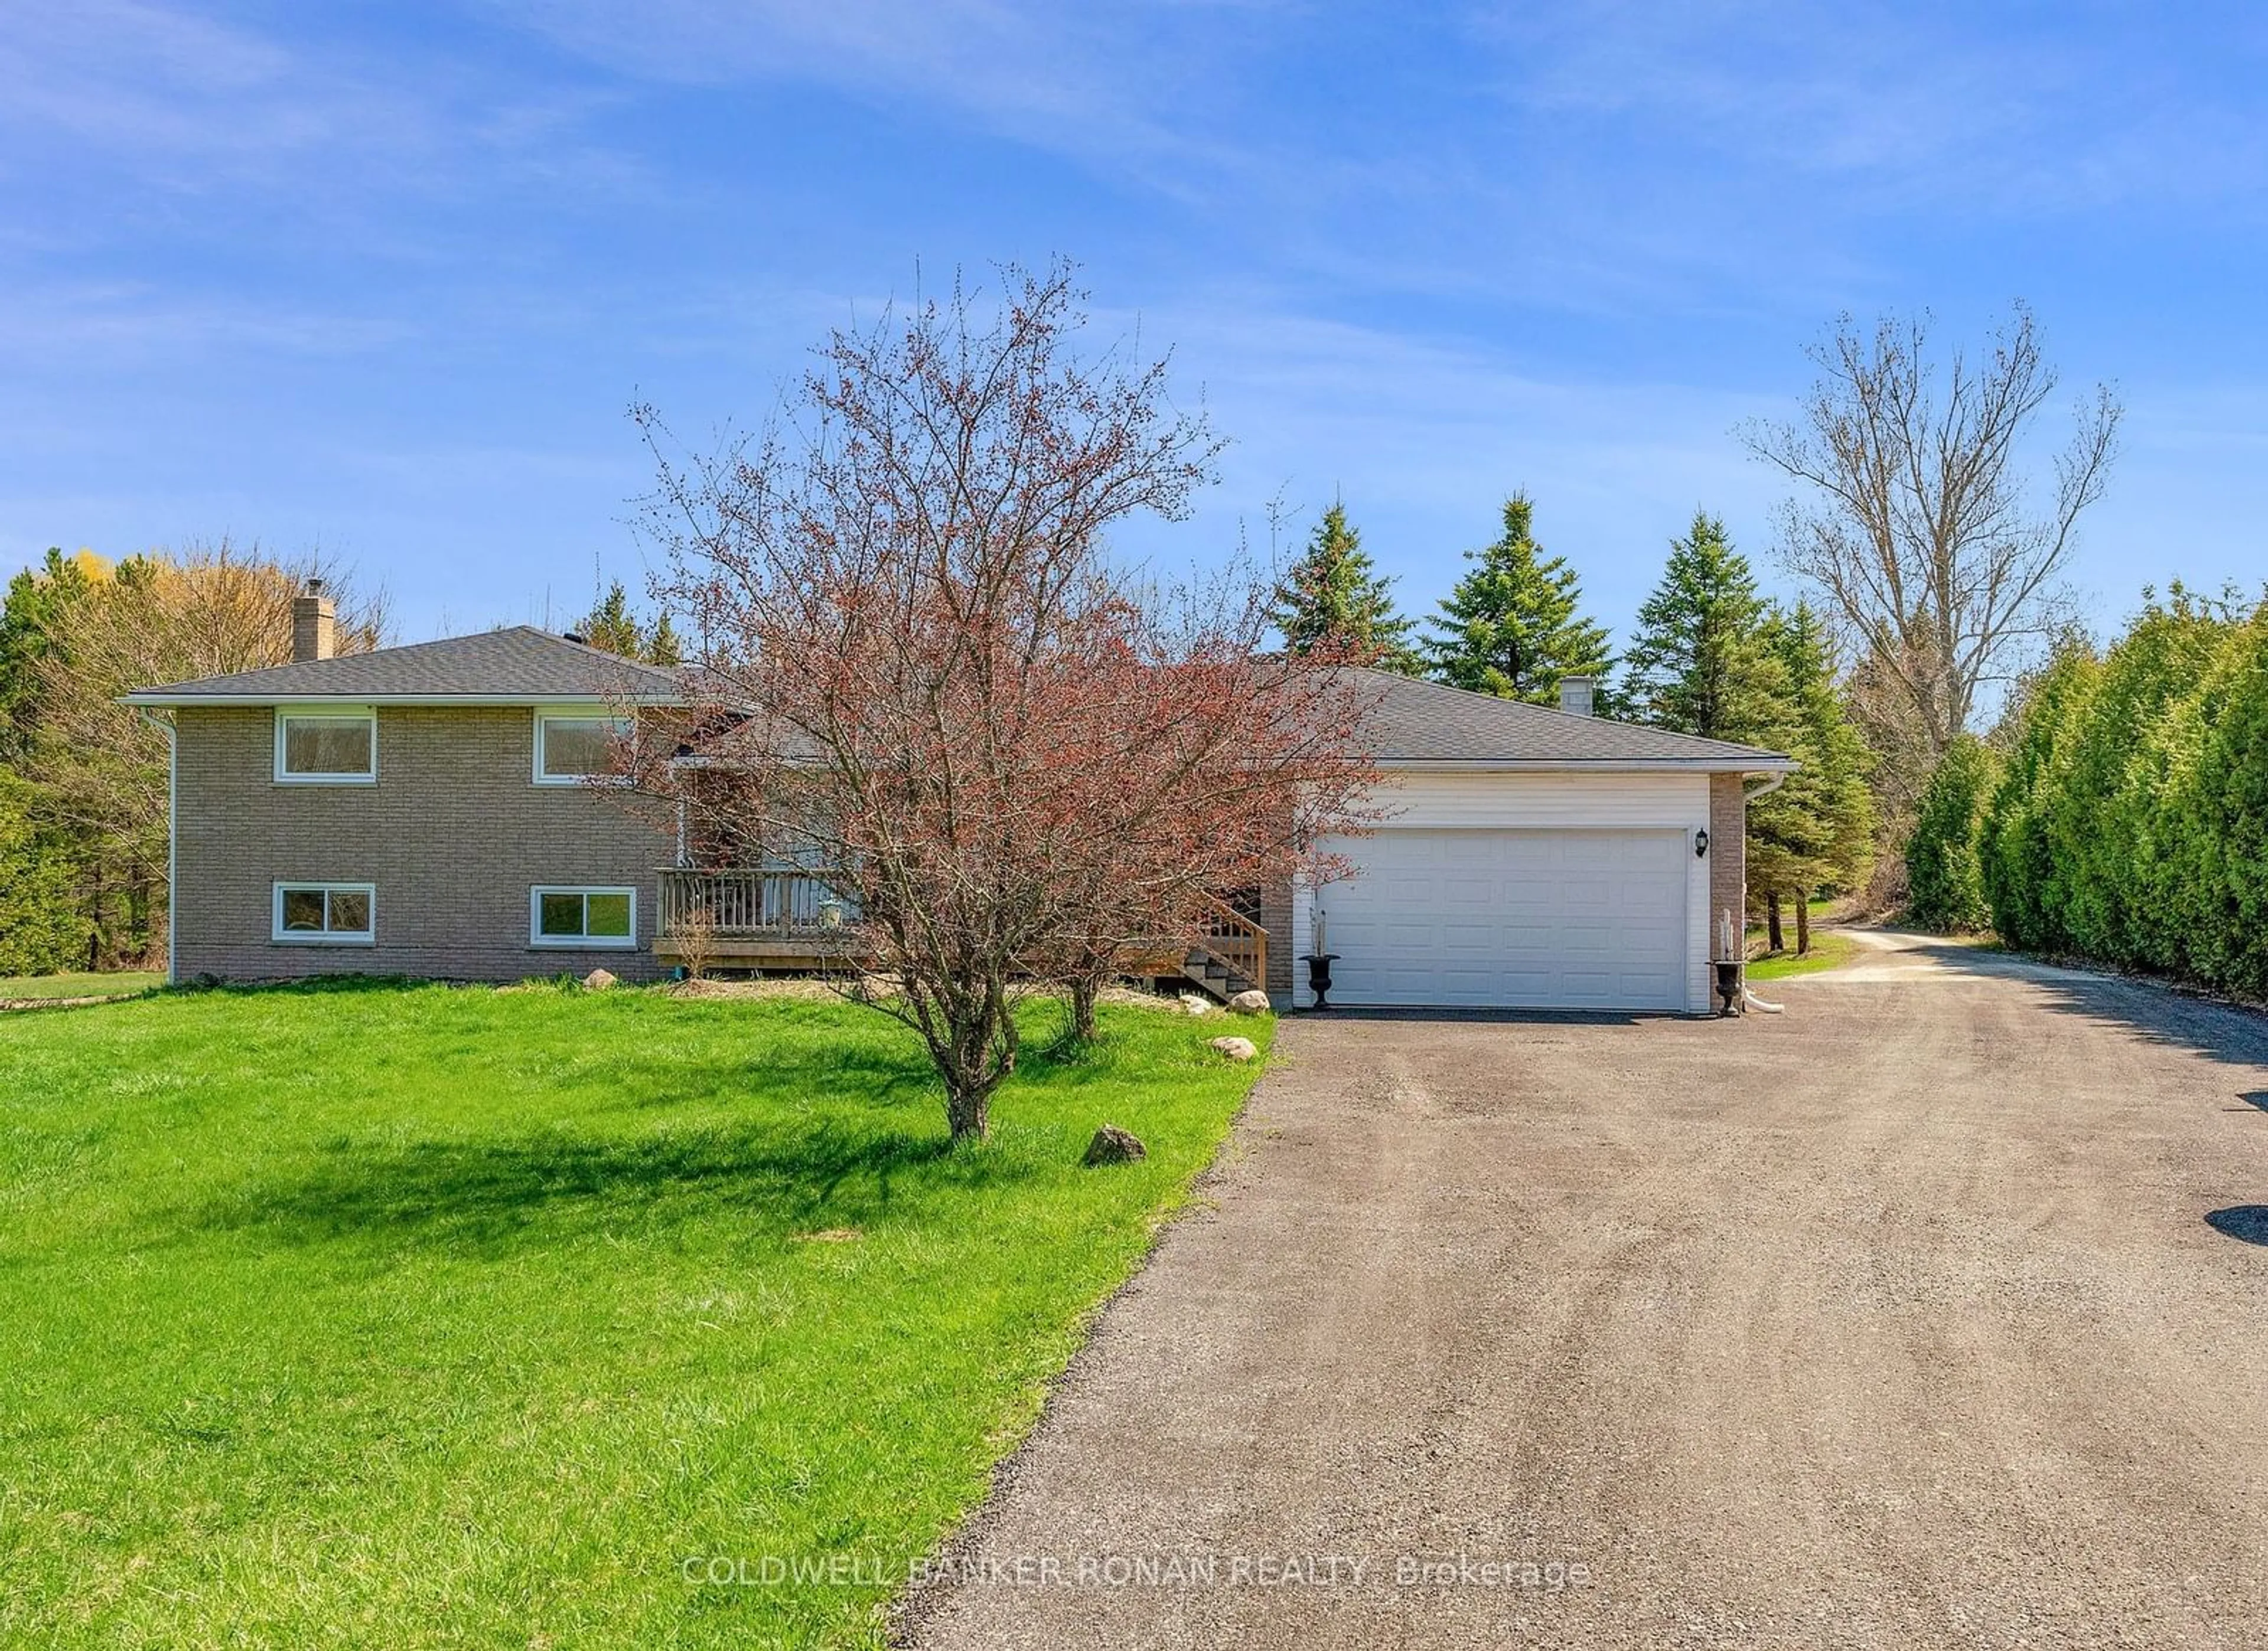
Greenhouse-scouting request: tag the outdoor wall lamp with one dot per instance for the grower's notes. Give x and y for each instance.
(1701, 843)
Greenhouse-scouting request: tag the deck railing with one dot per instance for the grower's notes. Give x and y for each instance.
(743, 904)
(1235, 939)
(750, 905)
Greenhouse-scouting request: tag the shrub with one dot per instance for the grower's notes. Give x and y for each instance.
(2131, 820)
(2210, 844)
(2022, 888)
(2099, 820)
(1944, 869)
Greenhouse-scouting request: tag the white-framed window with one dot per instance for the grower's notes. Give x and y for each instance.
(325, 915)
(561, 915)
(330, 745)
(575, 747)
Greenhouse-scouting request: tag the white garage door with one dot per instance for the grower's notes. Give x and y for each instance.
(1511, 919)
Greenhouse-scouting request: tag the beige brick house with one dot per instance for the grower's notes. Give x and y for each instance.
(423, 810)
(439, 809)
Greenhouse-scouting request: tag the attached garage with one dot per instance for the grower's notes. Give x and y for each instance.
(1533, 919)
(1532, 858)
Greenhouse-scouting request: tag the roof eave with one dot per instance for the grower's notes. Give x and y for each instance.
(1762, 762)
(162, 699)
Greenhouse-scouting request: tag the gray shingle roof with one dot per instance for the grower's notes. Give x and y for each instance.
(1412, 721)
(520, 663)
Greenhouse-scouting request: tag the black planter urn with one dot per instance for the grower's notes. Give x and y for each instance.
(1319, 976)
(1729, 986)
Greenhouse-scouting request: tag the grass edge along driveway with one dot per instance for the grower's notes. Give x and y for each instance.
(1830, 948)
(373, 1313)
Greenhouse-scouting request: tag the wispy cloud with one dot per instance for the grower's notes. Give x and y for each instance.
(1950, 103)
(96, 324)
(1263, 122)
(1144, 88)
(195, 106)
(1422, 255)
(191, 99)
(1593, 153)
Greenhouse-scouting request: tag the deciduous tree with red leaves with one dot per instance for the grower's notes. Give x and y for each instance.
(920, 670)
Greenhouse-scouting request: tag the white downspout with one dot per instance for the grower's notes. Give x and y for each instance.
(1772, 782)
(172, 837)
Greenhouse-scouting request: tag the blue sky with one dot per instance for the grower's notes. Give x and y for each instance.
(382, 278)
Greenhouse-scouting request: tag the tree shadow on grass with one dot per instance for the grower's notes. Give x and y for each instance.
(489, 1197)
(782, 1073)
(875, 1076)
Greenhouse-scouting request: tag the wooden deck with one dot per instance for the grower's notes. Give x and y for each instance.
(757, 951)
(752, 919)
(757, 919)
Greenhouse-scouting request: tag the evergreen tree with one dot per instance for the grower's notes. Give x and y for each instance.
(615, 626)
(1945, 858)
(1818, 829)
(43, 851)
(2112, 785)
(2214, 818)
(1704, 660)
(2025, 883)
(1707, 660)
(42, 928)
(1511, 627)
(612, 625)
(35, 601)
(1333, 596)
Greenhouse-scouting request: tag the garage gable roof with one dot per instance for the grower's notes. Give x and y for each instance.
(520, 664)
(1416, 723)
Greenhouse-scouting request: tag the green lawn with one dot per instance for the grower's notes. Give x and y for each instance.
(123, 984)
(408, 1316)
(1828, 950)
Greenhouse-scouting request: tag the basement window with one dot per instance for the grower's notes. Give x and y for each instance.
(325, 914)
(559, 916)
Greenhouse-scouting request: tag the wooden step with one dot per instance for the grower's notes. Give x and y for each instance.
(1218, 979)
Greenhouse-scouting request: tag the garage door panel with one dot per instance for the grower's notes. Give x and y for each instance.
(1520, 919)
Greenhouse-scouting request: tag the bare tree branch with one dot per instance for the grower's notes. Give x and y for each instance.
(921, 675)
(1915, 521)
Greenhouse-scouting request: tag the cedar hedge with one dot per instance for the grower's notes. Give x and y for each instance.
(2127, 820)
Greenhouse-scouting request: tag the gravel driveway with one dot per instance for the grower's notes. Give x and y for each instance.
(1926, 1314)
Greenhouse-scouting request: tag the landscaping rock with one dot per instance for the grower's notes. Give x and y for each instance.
(1114, 1145)
(1252, 1003)
(1196, 1006)
(1237, 1049)
(598, 979)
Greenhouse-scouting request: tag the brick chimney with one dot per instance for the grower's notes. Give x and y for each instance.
(312, 625)
(1578, 696)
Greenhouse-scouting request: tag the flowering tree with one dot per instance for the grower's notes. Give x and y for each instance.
(1208, 766)
(918, 669)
